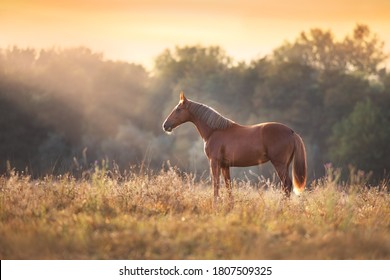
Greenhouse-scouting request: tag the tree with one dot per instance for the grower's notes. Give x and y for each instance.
(362, 139)
(205, 73)
(362, 52)
(317, 49)
(55, 102)
(64, 100)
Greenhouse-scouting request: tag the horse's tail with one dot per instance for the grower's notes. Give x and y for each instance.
(299, 165)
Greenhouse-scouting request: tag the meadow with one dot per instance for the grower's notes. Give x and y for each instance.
(170, 215)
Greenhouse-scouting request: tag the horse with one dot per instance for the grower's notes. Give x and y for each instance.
(229, 144)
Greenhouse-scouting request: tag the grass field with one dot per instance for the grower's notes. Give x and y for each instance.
(170, 216)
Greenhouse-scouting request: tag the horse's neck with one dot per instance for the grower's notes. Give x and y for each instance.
(204, 130)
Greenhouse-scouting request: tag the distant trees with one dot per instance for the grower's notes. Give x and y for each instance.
(362, 138)
(204, 72)
(317, 83)
(55, 103)
(362, 52)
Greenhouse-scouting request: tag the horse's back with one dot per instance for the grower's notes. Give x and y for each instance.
(275, 129)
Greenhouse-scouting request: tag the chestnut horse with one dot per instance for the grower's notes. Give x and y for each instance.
(229, 144)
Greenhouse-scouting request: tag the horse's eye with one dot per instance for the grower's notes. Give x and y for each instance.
(178, 110)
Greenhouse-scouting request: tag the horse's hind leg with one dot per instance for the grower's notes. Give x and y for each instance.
(282, 170)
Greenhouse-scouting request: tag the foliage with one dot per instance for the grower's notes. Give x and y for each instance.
(362, 138)
(72, 97)
(64, 109)
(162, 215)
(361, 52)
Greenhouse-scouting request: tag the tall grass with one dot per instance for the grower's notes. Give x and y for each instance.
(168, 215)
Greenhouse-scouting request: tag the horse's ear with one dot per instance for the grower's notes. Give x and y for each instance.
(183, 99)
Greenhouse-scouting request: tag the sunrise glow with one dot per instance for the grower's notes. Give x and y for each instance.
(139, 30)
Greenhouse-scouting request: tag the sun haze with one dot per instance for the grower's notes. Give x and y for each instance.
(139, 30)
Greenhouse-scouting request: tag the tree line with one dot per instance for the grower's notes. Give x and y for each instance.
(63, 110)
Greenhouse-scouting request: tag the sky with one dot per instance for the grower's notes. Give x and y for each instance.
(139, 30)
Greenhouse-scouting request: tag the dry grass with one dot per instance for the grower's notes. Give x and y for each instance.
(167, 216)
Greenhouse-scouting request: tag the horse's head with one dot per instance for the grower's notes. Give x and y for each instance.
(179, 115)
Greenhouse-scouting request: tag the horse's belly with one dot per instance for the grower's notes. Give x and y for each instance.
(245, 157)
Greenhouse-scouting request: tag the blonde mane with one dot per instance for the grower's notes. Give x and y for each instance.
(207, 114)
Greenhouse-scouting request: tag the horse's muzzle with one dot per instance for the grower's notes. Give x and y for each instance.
(167, 128)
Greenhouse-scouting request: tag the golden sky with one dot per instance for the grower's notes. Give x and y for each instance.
(139, 30)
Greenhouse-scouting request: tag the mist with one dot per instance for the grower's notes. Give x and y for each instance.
(58, 102)
(68, 110)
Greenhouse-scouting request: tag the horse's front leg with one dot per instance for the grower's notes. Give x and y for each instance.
(228, 183)
(215, 170)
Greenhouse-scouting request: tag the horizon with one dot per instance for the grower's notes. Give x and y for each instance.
(138, 31)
